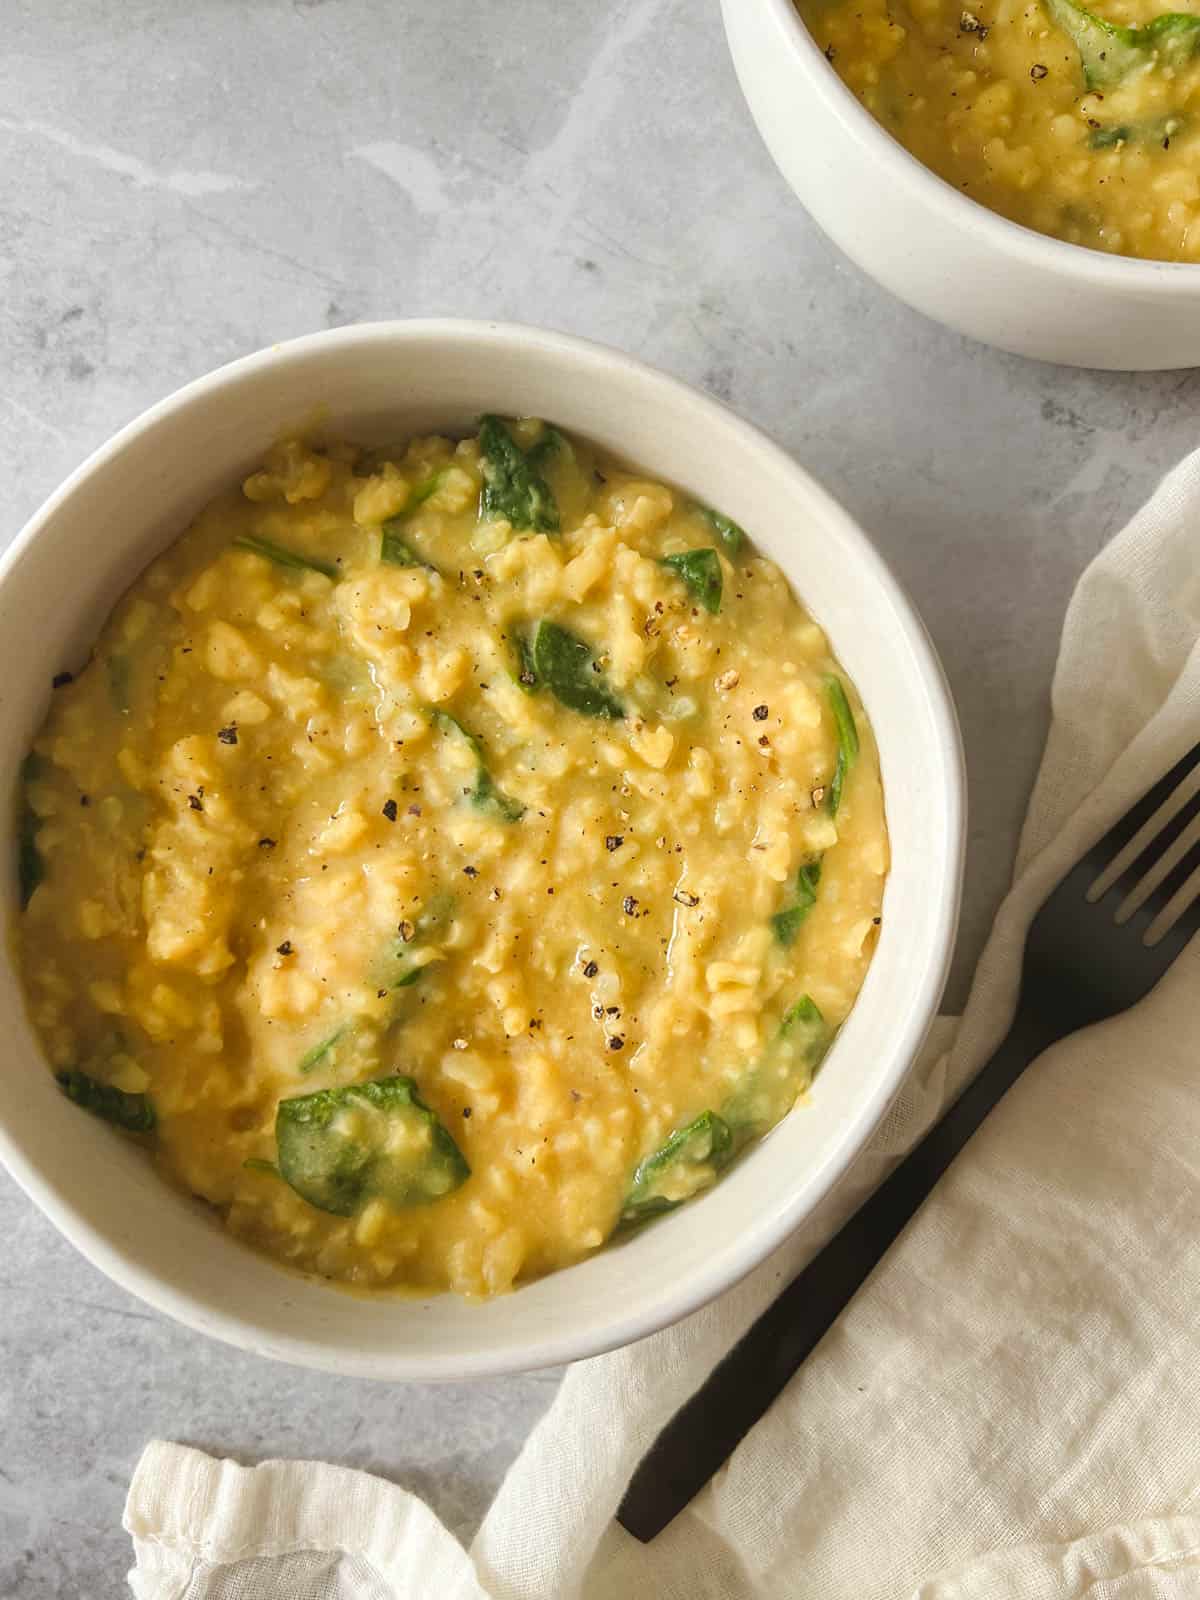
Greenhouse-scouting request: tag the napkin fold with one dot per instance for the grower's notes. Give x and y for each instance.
(1009, 1407)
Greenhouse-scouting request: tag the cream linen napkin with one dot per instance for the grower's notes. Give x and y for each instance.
(1009, 1409)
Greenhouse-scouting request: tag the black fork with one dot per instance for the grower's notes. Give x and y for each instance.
(1081, 966)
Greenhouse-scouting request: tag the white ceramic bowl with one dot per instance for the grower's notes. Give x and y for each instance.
(376, 382)
(940, 252)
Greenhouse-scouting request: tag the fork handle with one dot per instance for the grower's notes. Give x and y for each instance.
(704, 1433)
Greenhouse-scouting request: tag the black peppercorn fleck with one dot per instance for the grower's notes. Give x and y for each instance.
(760, 713)
(390, 810)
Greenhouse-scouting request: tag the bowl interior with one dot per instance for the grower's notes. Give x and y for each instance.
(374, 383)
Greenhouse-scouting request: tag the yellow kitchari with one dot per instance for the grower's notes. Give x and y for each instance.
(1080, 122)
(451, 853)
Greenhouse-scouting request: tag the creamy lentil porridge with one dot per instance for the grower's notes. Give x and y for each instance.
(450, 855)
(1082, 125)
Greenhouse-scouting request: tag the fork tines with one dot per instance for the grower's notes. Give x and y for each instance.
(1150, 854)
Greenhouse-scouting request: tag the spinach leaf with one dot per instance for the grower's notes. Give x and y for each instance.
(788, 1063)
(351, 1046)
(731, 535)
(1174, 37)
(1107, 138)
(394, 549)
(320, 1052)
(697, 1153)
(701, 571)
(132, 1112)
(286, 558)
(847, 738)
(688, 1161)
(526, 673)
(513, 491)
(1111, 52)
(786, 924)
(402, 971)
(423, 490)
(567, 667)
(1157, 130)
(551, 444)
(31, 869)
(339, 1148)
(805, 1014)
(485, 795)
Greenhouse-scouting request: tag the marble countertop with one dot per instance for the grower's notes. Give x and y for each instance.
(181, 185)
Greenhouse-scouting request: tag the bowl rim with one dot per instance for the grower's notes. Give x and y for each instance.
(725, 1270)
(1059, 256)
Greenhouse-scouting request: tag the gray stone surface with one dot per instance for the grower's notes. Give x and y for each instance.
(182, 184)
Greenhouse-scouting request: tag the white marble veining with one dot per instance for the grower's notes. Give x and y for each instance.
(138, 172)
(182, 184)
